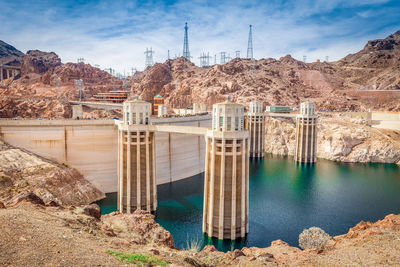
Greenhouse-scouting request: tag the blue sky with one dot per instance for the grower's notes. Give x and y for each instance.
(116, 33)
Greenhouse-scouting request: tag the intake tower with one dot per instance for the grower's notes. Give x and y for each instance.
(306, 134)
(226, 178)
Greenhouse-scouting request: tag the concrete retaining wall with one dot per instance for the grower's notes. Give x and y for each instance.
(91, 147)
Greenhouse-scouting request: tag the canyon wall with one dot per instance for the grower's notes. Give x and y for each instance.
(340, 138)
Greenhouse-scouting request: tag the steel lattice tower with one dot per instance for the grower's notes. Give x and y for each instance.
(186, 53)
(250, 45)
(149, 57)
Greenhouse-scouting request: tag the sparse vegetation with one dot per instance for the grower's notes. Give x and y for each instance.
(193, 244)
(138, 258)
(4, 179)
(314, 238)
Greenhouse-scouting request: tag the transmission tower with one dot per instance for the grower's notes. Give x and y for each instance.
(304, 59)
(250, 44)
(79, 87)
(223, 58)
(186, 53)
(81, 59)
(327, 59)
(215, 59)
(168, 55)
(237, 54)
(204, 60)
(149, 57)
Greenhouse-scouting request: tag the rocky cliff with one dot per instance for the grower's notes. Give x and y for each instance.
(339, 139)
(22, 172)
(9, 55)
(45, 85)
(376, 67)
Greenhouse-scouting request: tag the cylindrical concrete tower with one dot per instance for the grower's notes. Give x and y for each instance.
(255, 124)
(226, 178)
(306, 134)
(137, 188)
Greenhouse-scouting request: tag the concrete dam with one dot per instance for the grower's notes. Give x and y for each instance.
(91, 146)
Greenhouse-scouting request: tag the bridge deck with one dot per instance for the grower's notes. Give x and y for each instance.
(180, 129)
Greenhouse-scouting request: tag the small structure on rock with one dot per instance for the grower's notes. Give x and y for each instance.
(157, 101)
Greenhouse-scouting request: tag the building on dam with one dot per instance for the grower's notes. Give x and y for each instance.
(306, 134)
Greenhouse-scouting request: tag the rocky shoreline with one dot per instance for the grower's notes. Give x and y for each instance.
(339, 139)
(35, 234)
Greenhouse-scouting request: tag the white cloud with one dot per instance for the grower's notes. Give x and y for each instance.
(115, 34)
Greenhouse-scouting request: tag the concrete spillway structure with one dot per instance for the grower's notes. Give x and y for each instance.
(226, 178)
(306, 134)
(255, 124)
(137, 187)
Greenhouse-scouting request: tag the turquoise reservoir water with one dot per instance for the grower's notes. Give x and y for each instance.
(285, 198)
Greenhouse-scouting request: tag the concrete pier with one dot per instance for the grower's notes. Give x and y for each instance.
(11, 71)
(226, 178)
(306, 134)
(137, 187)
(255, 124)
(77, 112)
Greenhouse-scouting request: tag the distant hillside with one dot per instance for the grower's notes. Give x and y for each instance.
(9, 55)
(286, 81)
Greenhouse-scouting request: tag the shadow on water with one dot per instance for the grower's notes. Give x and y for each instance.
(284, 197)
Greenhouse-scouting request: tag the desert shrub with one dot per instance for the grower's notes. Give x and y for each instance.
(193, 244)
(314, 238)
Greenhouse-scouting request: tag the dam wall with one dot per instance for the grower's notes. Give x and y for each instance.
(91, 147)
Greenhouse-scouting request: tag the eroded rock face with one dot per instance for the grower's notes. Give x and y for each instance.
(39, 62)
(23, 173)
(339, 139)
(9, 55)
(138, 227)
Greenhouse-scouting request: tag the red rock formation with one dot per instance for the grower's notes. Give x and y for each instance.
(39, 62)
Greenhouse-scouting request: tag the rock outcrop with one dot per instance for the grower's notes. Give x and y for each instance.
(22, 173)
(138, 227)
(9, 55)
(45, 85)
(39, 62)
(339, 139)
